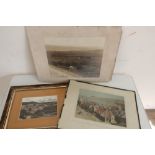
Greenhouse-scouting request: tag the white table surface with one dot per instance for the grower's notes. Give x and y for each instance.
(119, 81)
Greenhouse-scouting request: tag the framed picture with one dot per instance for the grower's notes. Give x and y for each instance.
(33, 106)
(85, 53)
(94, 106)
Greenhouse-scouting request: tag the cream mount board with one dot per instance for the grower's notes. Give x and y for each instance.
(85, 53)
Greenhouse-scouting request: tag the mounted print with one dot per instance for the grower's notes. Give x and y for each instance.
(33, 107)
(37, 107)
(86, 53)
(93, 106)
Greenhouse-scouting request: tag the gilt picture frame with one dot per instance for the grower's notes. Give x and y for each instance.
(37, 106)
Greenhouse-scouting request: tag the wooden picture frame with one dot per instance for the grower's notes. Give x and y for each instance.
(94, 106)
(85, 53)
(37, 106)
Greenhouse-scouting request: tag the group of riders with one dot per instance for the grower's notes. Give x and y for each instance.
(112, 114)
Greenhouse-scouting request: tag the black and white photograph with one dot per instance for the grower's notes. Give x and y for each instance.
(76, 62)
(62, 53)
(36, 107)
(101, 107)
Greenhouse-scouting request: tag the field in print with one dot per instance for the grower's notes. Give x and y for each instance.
(85, 63)
(36, 107)
(101, 107)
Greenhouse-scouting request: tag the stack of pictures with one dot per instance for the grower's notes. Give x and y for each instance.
(67, 59)
(77, 105)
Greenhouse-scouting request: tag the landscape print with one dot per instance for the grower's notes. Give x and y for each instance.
(76, 62)
(36, 107)
(101, 107)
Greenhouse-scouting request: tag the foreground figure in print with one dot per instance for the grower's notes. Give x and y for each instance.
(101, 108)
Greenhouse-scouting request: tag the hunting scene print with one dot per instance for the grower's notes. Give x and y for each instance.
(36, 107)
(101, 107)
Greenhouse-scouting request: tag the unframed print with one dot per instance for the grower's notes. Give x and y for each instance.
(85, 53)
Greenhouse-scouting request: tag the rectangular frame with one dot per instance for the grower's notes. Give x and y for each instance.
(11, 114)
(71, 103)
